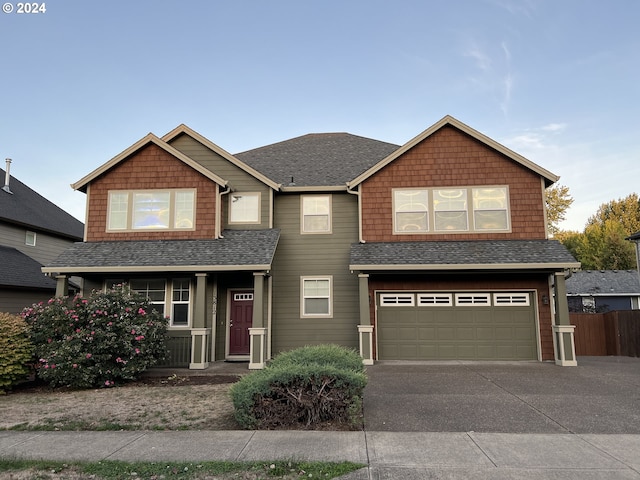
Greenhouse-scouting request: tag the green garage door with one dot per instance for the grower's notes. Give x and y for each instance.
(456, 326)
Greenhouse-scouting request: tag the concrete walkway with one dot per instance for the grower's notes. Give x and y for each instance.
(406, 455)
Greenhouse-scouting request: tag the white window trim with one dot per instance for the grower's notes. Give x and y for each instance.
(330, 215)
(247, 194)
(397, 300)
(330, 298)
(511, 299)
(470, 211)
(34, 235)
(168, 297)
(473, 298)
(172, 302)
(435, 299)
(130, 204)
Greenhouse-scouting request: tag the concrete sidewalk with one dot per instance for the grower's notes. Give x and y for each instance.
(407, 455)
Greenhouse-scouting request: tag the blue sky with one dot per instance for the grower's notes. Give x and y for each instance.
(556, 81)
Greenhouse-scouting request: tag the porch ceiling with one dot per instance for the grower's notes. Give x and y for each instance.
(238, 250)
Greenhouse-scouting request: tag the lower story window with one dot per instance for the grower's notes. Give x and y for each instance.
(316, 297)
(170, 297)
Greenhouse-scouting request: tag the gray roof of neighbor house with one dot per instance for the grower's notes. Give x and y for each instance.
(238, 250)
(635, 237)
(462, 255)
(18, 270)
(28, 208)
(317, 159)
(604, 283)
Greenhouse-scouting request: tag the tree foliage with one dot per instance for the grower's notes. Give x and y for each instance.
(603, 245)
(558, 200)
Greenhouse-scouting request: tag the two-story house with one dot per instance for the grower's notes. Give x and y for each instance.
(33, 232)
(436, 249)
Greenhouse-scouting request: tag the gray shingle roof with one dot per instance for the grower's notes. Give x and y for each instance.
(483, 254)
(317, 159)
(238, 250)
(21, 271)
(603, 282)
(28, 208)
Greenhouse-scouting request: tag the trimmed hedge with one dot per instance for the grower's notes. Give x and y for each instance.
(16, 351)
(302, 388)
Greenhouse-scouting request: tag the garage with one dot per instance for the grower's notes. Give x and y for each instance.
(499, 325)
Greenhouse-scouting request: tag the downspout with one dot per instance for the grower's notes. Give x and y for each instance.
(357, 193)
(219, 210)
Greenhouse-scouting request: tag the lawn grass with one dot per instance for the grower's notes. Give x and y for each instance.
(115, 470)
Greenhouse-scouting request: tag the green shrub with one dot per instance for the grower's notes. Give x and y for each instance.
(339, 357)
(302, 390)
(16, 350)
(98, 342)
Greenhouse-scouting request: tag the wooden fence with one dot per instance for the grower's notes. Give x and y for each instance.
(612, 333)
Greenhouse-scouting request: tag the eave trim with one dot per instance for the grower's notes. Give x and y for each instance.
(465, 266)
(156, 268)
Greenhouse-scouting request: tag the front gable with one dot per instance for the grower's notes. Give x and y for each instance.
(151, 167)
(452, 158)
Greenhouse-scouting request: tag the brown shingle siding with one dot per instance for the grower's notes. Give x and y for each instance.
(151, 168)
(450, 158)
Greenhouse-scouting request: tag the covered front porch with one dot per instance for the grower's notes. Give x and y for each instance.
(215, 293)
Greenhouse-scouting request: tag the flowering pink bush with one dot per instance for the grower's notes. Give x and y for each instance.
(101, 341)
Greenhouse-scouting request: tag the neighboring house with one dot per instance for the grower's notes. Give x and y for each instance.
(33, 232)
(436, 249)
(602, 291)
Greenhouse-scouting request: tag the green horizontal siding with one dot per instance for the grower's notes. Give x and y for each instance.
(301, 255)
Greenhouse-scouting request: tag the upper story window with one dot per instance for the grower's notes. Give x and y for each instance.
(30, 239)
(411, 210)
(244, 208)
(151, 210)
(451, 210)
(316, 214)
(491, 208)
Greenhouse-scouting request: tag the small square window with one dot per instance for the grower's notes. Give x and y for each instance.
(30, 239)
(244, 208)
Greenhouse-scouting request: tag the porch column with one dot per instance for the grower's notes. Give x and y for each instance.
(365, 329)
(199, 331)
(62, 285)
(257, 333)
(563, 339)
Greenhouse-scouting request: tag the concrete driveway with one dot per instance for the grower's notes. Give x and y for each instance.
(600, 395)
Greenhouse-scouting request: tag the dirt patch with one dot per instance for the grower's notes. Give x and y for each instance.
(151, 403)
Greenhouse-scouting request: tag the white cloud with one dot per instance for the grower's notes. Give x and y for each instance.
(482, 60)
(554, 127)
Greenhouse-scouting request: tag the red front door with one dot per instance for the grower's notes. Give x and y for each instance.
(240, 318)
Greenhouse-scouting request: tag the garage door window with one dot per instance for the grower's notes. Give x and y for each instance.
(435, 299)
(397, 300)
(511, 299)
(479, 299)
